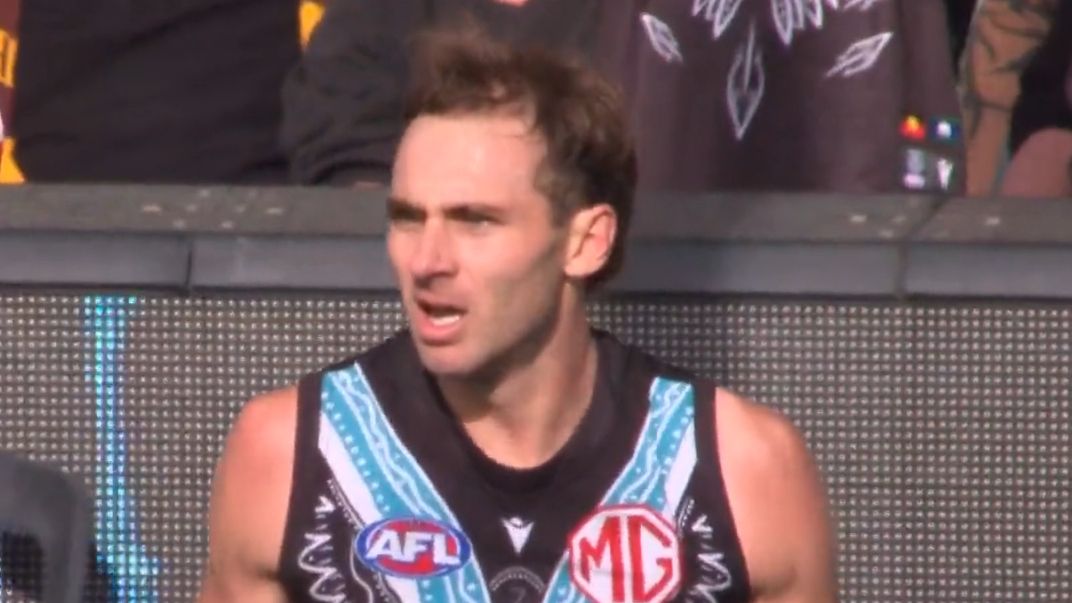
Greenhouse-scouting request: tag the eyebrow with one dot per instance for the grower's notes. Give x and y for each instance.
(399, 206)
(461, 209)
(468, 209)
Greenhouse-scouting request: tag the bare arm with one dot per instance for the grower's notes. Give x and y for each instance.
(778, 504)
(249, 503)
(1002, 38)
(1042, 167)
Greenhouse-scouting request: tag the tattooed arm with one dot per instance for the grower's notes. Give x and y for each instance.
(1003, 35)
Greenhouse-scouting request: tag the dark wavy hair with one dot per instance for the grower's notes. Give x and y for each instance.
(580, 116)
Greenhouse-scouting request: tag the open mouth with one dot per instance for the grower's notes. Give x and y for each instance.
(441, 315)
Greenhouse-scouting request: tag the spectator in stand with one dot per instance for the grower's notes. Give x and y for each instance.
(724, 94)
(153, 91)
(9, 45)
(1040, 137)
(1003, 37)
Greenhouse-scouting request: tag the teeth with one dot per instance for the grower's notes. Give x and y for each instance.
(442, 321)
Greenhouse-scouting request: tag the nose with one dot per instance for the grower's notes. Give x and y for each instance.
(433, 253)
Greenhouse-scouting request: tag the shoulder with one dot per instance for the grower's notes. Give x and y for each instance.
(251, 489)
(261, 439)
(757, 438)
(258, 455)
(270, 409)
(777, 500)
(264, 430)
(764, 457)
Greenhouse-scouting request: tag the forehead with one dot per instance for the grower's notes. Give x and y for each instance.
(486, 158)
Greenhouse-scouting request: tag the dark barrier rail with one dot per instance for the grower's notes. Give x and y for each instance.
(923, 345)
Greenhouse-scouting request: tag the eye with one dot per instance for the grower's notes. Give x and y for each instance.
(476, 218)
(479, 220)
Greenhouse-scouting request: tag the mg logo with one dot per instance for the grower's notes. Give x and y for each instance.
(626, 554)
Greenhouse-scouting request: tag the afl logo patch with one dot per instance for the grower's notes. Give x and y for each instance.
(412, 548)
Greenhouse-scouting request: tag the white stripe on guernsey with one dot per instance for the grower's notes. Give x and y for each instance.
(342, 467)
(661, 415)
(680, 472)
(360, 498)
(402, 471)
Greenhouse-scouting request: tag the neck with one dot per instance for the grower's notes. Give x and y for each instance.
(526, 414)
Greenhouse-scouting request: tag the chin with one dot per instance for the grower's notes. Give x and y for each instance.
(445, 361)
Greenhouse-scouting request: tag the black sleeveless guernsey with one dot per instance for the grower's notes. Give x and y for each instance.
(392, 502)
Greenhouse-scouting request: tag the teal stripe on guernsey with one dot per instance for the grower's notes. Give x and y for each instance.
(644, 479)
(399, 487)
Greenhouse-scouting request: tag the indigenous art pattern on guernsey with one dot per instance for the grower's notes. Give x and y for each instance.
(634, 547)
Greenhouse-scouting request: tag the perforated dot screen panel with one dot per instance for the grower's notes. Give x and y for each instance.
(943, 430)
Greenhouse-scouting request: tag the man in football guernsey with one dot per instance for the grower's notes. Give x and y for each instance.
(500, 450)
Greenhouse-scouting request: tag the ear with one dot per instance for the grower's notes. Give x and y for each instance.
(592, 231)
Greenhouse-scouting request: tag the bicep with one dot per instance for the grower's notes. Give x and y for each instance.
(811, 543)
(232, 573)
(779, 505)
(248, 506)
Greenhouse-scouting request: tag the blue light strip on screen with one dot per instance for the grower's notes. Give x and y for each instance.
(132, 572)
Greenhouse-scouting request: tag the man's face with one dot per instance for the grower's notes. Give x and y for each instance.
(478, 258)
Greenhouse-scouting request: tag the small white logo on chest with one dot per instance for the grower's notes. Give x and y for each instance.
(518, 529)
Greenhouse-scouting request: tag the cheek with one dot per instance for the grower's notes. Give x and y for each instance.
(396, 252)
(519, 280)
